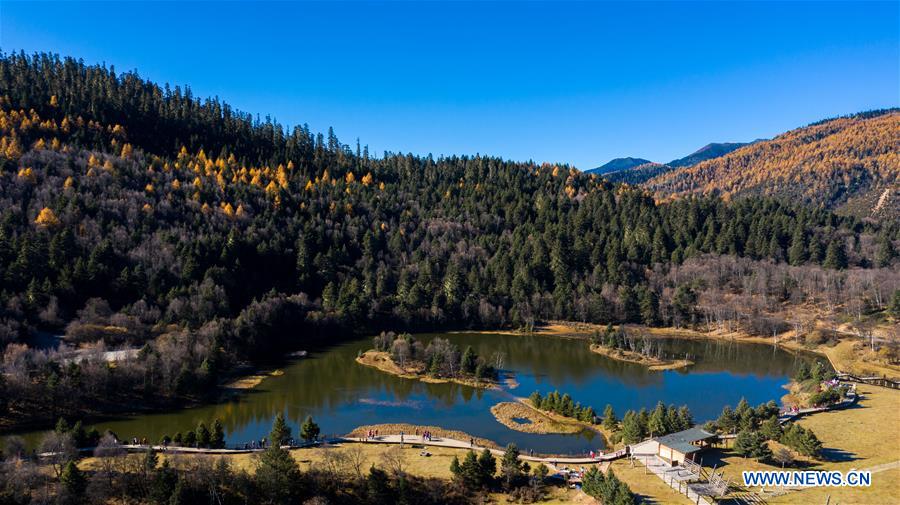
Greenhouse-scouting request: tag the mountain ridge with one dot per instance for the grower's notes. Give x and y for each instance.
(618, 164)
(849, 163)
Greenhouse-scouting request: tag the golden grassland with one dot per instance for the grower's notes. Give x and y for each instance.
(351, 458)
(382, 361)
(847, 356)
(541, 422)
(410, 430)
(349, 455)
(251, 381)
(650, 488)
(638, 358)
(865, 437)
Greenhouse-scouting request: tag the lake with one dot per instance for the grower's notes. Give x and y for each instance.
(341, 394)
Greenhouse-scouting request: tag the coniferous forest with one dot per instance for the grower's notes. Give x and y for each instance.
(139, 215)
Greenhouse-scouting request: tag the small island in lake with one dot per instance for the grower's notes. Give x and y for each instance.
(633, 347)
(440, 361)
(521, 416)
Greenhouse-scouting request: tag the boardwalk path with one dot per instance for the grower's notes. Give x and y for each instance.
(459, 444)
(392, 439)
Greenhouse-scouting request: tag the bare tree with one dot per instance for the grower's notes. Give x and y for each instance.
(58, 449)
(394, 460)
(356, 458)
(109, 451)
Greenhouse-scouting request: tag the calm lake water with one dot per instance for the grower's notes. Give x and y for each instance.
(341, 394)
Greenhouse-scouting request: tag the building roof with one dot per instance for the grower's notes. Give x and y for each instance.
(682, 441)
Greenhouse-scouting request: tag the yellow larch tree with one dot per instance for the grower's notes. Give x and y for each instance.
(46, 218)
(27, 174)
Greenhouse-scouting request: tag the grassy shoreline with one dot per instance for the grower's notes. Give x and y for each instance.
(411, 429)
(540, 422)
(637, 358)
(382, 361)
(842, 355)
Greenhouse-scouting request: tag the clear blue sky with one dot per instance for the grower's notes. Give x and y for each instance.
(561, 82)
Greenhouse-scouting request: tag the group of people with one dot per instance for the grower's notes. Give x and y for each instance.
(425, 434)
(260, 444)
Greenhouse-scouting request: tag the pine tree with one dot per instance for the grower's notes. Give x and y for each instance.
(309, 431)
(751, 444)
(686, 419)
(73, 481)
(277, 474)
(797, 252)
(218, 435)
(836, 255)
(510, 466)
(649, 306)
(203, 435)
(631, 309)
(885, 253)
(592, 482)
(609, 418)
(631, 428)
(281, 432)
(802, 372)
(771, 429)
(469, 471)
(163, 483)
(469, 361)
(657, 423)
(378, 490)
(894, 307)
(727, 420)
(487, 467)
(150, 460)
(535, 399)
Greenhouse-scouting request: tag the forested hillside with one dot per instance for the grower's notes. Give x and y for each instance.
(707, 152)
(639, 174)
(139, 216)
(851, 164)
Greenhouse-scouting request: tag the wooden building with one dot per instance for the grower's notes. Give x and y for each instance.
(682, 445)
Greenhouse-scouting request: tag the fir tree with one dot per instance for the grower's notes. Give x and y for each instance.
(836, 255)
(73, 481)
(309, 431)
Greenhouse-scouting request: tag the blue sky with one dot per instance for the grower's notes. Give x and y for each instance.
(562, 82)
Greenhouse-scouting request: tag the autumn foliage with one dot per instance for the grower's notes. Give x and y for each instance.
(850, 163)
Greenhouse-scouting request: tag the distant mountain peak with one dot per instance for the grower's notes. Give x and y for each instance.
(708, 152)
(847, 164)
(617, 165)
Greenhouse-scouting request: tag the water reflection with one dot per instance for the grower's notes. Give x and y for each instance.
(341, 394)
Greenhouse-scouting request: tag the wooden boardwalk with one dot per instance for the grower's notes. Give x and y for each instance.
(382, 439)
(872, 380)
(459, 444)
